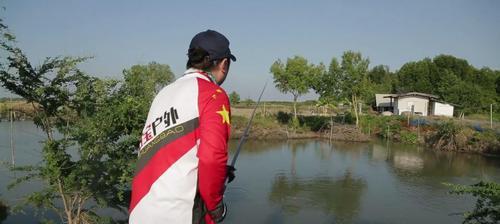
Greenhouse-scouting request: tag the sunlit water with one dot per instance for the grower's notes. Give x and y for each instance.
(313, 181)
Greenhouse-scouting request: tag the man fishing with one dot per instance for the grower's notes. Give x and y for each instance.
(181, 169)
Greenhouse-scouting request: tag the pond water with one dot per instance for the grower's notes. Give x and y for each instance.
(314, 181)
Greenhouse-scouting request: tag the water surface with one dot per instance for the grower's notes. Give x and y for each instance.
(313, 181)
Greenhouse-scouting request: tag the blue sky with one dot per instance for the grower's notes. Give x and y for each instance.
(120, 34)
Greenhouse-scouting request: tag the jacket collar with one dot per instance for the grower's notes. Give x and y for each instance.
(200, 73)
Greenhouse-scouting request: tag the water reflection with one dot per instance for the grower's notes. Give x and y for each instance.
(409, 162)
(340, 197)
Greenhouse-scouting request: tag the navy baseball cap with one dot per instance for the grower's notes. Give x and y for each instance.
(216, 44)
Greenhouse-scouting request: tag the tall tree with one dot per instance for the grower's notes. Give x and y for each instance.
(417, 77)
(326, 84)
(294, 77)
(382, 80)
(346, 81)
(353, 82)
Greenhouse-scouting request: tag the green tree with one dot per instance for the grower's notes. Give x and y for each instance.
(382, 81)
(90, 166)
(347, 81)
(417, 77)
(147, 80)
(498, 85)
(234, 98)
(294, 77)
(326, 85)
(354, 82)
(453, 79)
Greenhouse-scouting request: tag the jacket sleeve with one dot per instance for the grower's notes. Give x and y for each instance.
(212, 152)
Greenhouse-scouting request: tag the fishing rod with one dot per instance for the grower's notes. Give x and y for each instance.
(245, 134)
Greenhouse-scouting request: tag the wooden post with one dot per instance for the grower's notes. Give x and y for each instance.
(331, 128)
(387, 132)
(491, 116)
(418, 129)
(264, 109)
(13, 156)
(408, 120)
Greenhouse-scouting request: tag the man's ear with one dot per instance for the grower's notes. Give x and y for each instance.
(223, 65)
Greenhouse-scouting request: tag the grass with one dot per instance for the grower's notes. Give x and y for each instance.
(484, 117)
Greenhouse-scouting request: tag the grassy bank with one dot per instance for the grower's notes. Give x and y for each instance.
(20, 108)
(438, 133)
(283, 126)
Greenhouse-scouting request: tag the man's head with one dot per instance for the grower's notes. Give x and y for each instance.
(209, 50)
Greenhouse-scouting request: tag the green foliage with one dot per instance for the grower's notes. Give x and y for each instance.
(415, 76)
(146, 80)
(347, 81)
(295, 124)
(408, 137)
(472, 90)
(498, 83)
(295, 76)
(314, 123)
(266, 122)
(100, 122)
(283, 117)
(386, 127)
(382, 81)
(448, 136)
(234, 98)
(487, 208)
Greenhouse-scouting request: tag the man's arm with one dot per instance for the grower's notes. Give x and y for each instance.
(212, 152)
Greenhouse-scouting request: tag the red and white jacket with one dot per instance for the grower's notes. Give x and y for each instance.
(183, 151)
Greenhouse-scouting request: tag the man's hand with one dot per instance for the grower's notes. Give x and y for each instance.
(219, 213)
(230, 173)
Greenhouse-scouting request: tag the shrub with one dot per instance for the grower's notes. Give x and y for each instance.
(448, 136)
(283, 117)
(486, 141)
(238, 122)
(315, 123)
(487, 209)
(408, 137)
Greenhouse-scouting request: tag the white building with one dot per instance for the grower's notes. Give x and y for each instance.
(442, 109)
(413, 103)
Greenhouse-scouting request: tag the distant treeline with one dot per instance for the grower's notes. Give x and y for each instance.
(350, 81)
(454, 80)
